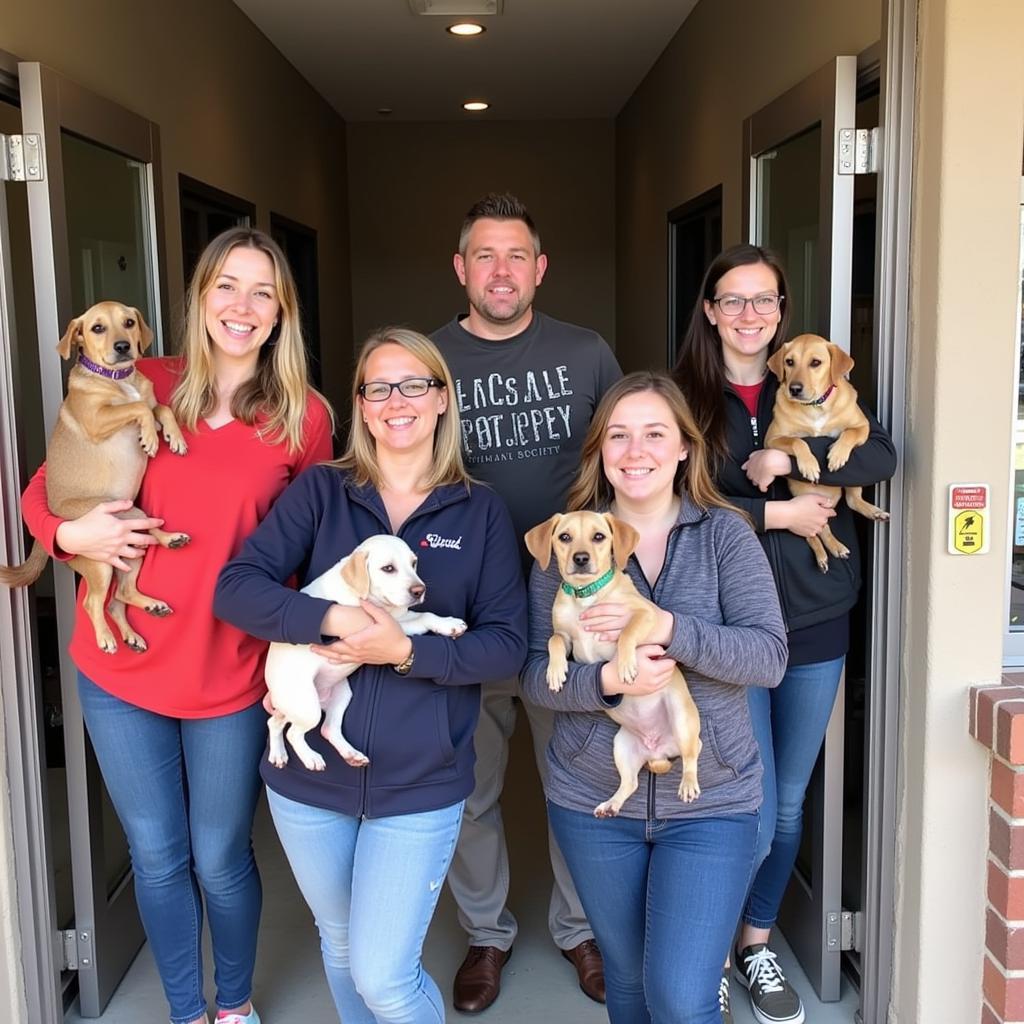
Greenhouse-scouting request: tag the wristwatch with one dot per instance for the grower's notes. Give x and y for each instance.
(403, 667)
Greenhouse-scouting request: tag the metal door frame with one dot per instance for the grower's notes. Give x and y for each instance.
(827, 98)
(108, 932)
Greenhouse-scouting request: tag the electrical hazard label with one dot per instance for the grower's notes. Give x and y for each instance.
(968, 519)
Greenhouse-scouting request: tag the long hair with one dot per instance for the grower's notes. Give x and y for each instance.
(693, 475)
(700, 368)
(360, 456)
(278, 391)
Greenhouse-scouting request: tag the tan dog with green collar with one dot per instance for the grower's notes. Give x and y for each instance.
(655, 727)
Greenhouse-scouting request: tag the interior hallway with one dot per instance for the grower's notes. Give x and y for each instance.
(537, 985)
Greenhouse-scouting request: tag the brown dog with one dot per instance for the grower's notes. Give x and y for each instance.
(106, 429)
(654, 728)
(816, 400)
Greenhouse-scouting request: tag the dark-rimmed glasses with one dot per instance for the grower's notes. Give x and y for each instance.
(411, 387)
(733, 305)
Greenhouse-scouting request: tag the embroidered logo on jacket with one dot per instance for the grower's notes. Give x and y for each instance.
(435, 540)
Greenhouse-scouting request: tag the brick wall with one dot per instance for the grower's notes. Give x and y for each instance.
(997, 722)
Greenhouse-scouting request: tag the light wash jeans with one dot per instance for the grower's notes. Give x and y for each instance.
(789, 724)
(663, 897)
(372, 884)
(185, 791)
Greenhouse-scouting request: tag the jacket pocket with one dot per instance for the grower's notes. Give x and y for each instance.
(716, 765)
(572, 736)
(444, 732)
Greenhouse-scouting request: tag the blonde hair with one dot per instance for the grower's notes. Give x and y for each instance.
(591, 488)
(279, 389)
(360, 457)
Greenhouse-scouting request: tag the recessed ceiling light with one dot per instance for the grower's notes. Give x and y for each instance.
(475, 105)
(465, 28)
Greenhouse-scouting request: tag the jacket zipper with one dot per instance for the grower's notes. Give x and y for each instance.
(371, 715)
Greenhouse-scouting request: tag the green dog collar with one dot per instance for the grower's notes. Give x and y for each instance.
(590, 588)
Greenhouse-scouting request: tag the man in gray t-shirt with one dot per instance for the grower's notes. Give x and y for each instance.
(526, 386)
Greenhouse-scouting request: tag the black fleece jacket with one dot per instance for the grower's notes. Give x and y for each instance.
(807, 595)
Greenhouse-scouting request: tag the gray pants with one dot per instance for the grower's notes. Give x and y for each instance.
(479, 874)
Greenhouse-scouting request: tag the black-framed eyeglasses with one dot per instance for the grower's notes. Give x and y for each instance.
(733, 305)
(411, 387)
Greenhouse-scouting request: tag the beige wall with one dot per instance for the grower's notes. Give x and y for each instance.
(680, 132)
(411, 184)
(960, 428)
(232, 113)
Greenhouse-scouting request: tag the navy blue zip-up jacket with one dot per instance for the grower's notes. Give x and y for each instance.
(417, 730)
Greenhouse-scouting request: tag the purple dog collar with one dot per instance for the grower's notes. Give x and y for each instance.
(824, 397)
(103, 371)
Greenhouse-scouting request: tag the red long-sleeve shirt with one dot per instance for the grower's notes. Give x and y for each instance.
(196, 665)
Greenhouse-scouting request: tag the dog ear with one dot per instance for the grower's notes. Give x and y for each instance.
(71, 338)
(841, 362)
(145, 334)
(538, 540)
(356, 573)
(775, 364)
(624, 540)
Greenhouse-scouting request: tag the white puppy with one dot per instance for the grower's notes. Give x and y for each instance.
(301, 683)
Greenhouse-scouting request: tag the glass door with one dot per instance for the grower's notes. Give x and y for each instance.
(797, 202)
(93, 225)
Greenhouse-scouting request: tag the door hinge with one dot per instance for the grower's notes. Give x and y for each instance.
(76, 950)
(21, 158)
(843, 930)
(859, 150)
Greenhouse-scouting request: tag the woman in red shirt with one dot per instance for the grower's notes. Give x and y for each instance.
(179, 729)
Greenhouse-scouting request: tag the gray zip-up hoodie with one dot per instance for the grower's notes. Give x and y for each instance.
(728, 634)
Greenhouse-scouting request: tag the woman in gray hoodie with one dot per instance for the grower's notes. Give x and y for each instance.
(664, 881)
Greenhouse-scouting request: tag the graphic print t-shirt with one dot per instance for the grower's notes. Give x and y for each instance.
(525, 404)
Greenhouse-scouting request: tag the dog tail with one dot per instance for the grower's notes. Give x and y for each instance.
(29, 571)
(659, 767)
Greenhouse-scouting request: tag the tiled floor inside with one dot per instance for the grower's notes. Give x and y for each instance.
(537, 986)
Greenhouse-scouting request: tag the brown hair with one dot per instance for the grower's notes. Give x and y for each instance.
(591, 488)
(700, 368)
(497, 206)
(279, 388)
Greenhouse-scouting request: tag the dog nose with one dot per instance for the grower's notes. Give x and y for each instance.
(123, 348)
(418, 590)
(796, 389)
(580, 559)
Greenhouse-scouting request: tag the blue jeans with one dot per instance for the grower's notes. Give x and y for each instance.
(789, 725)
(185, 791)
(663, 898)
(372, 884)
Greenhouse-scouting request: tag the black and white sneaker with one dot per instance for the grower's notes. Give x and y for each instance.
(772, 998)
(724, 1005)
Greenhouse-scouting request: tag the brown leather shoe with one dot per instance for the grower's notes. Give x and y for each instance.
(586, 958)
(478, 980)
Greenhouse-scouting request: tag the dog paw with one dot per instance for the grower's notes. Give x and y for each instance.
(836, 460)
(160, 609)
(136, 643)
(176, 443)
(278, 760)
(809, 469)
(179, 540)
(106, 643)
(556, 677)
(313, 761)
(356, 759)
(608, 809)
(688, 788)
(451, 627)
(822, 564)
(628, 670)
(149, 442)
(879, 516)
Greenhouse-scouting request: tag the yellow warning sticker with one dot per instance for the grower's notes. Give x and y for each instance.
(969, 532)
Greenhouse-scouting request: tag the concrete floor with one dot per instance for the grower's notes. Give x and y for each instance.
(538, 985)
